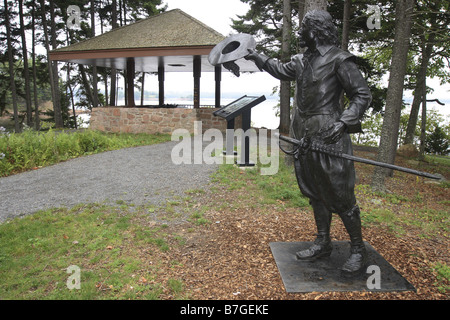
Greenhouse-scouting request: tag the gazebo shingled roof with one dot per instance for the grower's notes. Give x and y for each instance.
(173, 28)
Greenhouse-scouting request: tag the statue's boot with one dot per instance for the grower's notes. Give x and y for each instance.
(358, 254)
(322, 245)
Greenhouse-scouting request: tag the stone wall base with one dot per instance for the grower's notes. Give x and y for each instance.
(155, 120)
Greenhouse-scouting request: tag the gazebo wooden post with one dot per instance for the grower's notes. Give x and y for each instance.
(161, 84)
(218, 78)
(130, 83)
(197, 74)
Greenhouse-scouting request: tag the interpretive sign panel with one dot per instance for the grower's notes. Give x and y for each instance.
(238, 106)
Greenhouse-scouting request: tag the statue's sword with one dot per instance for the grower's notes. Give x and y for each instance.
(305, 145)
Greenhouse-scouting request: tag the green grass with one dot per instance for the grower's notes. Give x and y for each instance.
(197, 216)
(384, 217)
(268, 189)
(442, 160)
(430, 221)
(442, 271)
(30, 149)
(113, 250)
(396, 213)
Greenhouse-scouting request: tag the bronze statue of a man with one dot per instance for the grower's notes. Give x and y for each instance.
(321, 74)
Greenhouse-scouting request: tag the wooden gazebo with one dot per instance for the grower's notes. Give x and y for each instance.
(172, 41)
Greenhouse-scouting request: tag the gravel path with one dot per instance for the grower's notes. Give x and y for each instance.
(141, 175)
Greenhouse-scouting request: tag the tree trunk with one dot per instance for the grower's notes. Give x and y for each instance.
(105, 75)
(414, 113)
(11, 68)
(69, 87)
(418, 91)
(37, 124)
(120, 13)
(54, 65)
(345, 38)
(301, 11)
(346, 25)
(112, 95)
(86, 85)
(424, 121)
(89, 91)
(124, 10)
(285, 86)
(391, 120)
(25, 66)
(94, 68)
(315, 5)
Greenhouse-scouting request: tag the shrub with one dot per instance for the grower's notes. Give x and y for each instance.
(31, 149)
(437, 142)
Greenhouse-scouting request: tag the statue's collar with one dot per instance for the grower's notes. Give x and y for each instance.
(323, 49)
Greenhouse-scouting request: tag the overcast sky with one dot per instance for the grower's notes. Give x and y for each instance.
(217, 14)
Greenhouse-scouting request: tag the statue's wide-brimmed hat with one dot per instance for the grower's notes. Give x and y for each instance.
(231, 48)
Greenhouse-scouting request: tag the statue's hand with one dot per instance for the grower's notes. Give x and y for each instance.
(252, 55)
(257, 58)
(334, 133)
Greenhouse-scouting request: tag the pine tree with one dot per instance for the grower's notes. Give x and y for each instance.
(391, 121)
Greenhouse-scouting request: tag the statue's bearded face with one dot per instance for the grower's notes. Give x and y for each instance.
(306, 36)
(317, 29)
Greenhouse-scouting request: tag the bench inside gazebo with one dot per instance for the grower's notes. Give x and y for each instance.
(172, 41)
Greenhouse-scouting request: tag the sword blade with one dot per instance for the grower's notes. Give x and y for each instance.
(362, 160)
(389, 166)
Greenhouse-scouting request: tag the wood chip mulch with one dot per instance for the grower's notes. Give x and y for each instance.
(230, 258)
